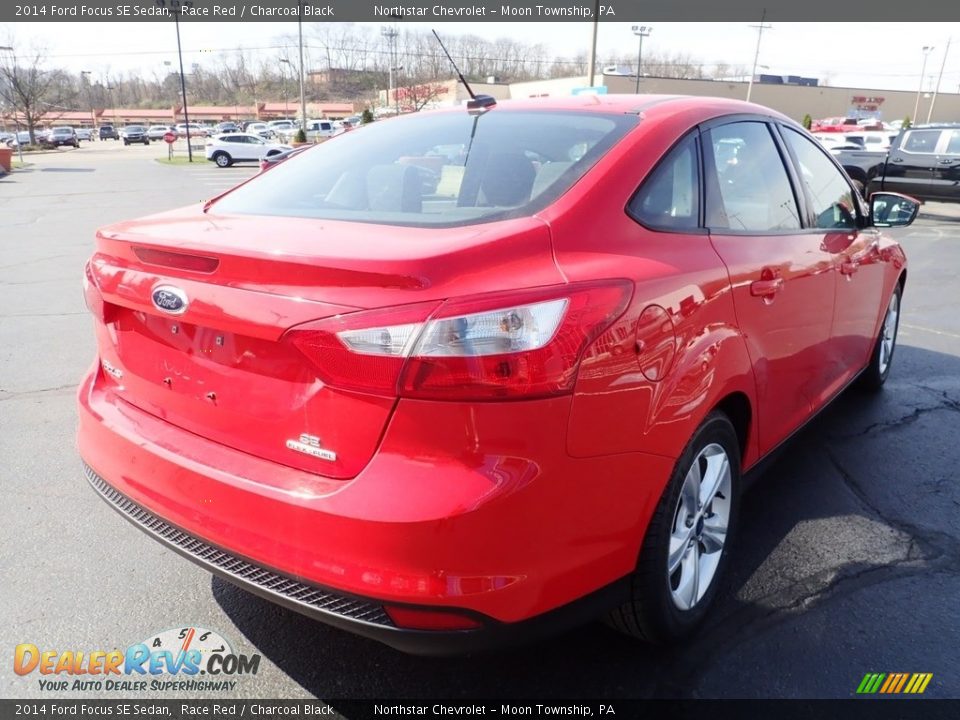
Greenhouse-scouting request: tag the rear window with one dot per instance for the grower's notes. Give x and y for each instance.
(436, 170)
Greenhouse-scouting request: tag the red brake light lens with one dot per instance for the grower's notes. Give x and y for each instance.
(499, 346)
(417, 619)
(101, 309)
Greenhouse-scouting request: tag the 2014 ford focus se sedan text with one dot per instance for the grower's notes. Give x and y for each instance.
(479, 374)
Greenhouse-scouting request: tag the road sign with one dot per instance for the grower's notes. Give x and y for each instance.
(170, 138)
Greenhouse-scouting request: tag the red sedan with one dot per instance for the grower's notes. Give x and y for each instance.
(488, 372)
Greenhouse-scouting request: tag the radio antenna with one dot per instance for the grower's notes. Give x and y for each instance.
(477, 102)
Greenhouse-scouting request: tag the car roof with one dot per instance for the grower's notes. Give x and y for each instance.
(696, 108)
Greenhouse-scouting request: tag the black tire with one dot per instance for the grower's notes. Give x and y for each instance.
(881, 359)
(652, 614)
(125, 143)
(146, 142)
(222, 159)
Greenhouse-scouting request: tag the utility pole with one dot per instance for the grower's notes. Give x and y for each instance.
(303, 94)
(756, 55)
(390, 33)
(927, 49)
(183, 81)
(592, 67)
(936, 90)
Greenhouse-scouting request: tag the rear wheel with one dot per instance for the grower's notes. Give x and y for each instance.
(686, 547)
(877, 371)
(222, 159)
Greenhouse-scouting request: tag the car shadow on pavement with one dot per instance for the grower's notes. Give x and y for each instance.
(827, 519)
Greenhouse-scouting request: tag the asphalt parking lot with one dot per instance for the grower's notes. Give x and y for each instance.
(848, 561)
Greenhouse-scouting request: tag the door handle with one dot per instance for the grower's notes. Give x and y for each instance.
(948, 161)
(897, 159)
(766, 288)
(849, 267)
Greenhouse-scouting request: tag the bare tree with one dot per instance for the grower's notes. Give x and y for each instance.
(413, 98)
(25, 85)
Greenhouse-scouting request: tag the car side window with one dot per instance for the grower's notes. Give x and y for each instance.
(953, 142)
(831, 196)
(747, 186)
(669, 198)
(920, 141)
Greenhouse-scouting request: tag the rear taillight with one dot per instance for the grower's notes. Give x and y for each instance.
(101, 309)
(498, 346)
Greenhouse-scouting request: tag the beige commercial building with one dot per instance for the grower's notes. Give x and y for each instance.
(794, 101)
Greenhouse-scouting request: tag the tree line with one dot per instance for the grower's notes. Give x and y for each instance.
(361, 58)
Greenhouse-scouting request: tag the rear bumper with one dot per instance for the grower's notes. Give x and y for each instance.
(360, 616)
(526, 540)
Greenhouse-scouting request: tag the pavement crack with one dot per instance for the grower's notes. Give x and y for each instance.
(12, 395)
(935, 543)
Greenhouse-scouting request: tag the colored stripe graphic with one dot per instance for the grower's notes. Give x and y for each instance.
(894, 683)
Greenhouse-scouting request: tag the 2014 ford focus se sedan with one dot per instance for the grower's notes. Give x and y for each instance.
(479, 374)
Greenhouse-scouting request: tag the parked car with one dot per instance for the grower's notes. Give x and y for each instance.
(270, 161)
(60, 136)
(85, 134)
(225, 150)
(260, 129)
(525, 398)
(134, 134)
(108, 132)
(156, 132)
(282, 126)
(22, 138)
(923, 162)
(195, 130)
(845, 124)
(226, 127)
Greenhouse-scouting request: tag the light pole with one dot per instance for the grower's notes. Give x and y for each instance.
(939, 78)
(641, 31)
(303, 94)
(756, 55)
(283, 75)
(390, 33)
(592, 64)
(927, 49)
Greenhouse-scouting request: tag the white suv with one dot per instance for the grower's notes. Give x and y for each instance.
(229, 148)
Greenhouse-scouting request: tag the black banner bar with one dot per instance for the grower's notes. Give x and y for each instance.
(439, 11)
(854, 709)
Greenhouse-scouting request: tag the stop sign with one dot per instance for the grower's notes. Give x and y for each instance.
(170, 137)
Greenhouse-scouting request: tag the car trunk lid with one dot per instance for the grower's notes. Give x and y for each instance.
(197, 306)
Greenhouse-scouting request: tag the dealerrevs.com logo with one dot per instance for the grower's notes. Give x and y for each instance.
(178, 660)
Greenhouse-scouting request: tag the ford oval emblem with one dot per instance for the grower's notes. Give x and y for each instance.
(170, 299)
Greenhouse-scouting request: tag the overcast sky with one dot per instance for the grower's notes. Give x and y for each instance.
(866, 55)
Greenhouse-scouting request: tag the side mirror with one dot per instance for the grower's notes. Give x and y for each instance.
(889, 209)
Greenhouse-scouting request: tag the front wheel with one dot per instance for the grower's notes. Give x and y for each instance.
(685, 550)
(222, 159)
(877, 371)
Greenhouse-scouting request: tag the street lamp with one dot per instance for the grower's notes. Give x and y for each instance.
(927, 49)
(303, 92)
(641, 31)
(16, 120)
(390, 33)
(283, 75)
